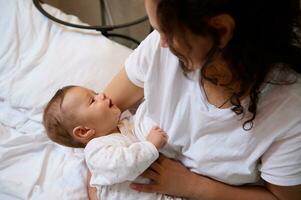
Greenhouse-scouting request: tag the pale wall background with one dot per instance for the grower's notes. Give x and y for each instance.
(122, 11)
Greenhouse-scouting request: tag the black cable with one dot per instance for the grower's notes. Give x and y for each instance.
(103, 29)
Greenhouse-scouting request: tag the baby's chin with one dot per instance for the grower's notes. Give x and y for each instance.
(115, 129)
(118, 119)
(118, 113)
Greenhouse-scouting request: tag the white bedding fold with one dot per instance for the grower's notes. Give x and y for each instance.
(37, 57)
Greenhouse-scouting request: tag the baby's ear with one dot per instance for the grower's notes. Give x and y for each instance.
(83, 133)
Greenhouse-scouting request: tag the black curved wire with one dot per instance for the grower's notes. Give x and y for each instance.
(103, 29)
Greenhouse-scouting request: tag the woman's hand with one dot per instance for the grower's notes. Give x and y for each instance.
(170, 177)
(92, 191)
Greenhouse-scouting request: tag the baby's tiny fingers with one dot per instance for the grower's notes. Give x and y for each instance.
(164, 137)
(162, 132)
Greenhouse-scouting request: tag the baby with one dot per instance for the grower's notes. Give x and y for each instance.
(79, 117)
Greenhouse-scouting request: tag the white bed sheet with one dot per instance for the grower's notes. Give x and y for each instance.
(37, 57)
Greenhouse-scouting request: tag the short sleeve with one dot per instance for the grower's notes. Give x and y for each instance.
(140, 61)
(281, 163)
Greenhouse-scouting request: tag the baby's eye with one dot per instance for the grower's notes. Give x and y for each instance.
(92, 100)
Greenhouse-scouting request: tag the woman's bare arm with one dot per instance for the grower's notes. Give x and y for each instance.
(285, 192)
(123, 92)
(166, 173)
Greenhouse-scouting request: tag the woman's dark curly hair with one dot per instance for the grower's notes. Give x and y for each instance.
(265, 37)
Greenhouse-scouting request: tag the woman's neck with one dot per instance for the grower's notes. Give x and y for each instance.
(219, 85)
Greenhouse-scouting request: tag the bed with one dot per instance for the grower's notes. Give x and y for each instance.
(37, 57)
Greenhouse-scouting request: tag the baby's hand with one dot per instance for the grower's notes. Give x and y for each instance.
(157, 137)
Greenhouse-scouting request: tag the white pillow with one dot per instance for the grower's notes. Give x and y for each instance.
(39, 56)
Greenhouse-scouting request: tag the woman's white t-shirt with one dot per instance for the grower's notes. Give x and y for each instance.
(211, 141)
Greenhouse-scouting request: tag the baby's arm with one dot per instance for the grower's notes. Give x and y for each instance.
(113, 159)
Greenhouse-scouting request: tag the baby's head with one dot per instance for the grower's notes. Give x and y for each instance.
(75, 115)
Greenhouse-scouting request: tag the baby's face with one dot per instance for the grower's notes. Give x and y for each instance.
(92, 110)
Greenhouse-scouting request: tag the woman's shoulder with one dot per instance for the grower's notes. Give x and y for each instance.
(150, 56)
(150, 47)
(152, 41)
(282, 84)
(280, 104)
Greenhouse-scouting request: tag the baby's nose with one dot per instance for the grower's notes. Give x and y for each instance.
(100, 96)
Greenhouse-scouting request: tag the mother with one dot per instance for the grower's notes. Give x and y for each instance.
(221, 77)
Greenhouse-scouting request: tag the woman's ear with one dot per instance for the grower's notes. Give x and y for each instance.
(83, 134)
(225, 25)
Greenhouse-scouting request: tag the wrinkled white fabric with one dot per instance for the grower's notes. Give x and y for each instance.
(38, 56)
